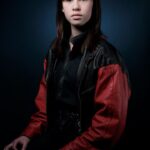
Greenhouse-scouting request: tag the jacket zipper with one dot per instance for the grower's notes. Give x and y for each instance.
(80, 76)
(79, 86)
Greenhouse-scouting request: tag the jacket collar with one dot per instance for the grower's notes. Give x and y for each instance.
(77, 40)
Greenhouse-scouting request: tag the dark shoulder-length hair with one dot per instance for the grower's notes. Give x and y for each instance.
(93, 28)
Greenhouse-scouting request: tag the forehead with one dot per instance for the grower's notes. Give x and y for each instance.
(60, 2)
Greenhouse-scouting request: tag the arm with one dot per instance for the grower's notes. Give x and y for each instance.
(38, 120)
(111, 102)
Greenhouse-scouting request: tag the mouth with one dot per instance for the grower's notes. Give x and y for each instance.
(76, 15)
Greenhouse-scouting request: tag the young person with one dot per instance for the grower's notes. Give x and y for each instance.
(84, 92)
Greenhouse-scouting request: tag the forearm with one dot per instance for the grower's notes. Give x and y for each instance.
(38, 121)
(111, 100)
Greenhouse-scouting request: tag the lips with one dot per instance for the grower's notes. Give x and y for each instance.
(76, 15)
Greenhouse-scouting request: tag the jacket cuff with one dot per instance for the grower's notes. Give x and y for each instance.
(30, 132)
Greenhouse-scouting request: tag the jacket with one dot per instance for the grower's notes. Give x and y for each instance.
(103, 91)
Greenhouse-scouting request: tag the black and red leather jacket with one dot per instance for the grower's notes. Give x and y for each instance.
(103, 91)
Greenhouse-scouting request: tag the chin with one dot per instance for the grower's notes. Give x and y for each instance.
(78, 24)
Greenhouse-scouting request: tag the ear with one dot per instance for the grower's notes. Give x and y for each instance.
(62, 10)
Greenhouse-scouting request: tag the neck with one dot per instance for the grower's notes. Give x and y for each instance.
(75, 31)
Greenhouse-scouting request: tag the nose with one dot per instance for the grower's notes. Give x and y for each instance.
(76, 5)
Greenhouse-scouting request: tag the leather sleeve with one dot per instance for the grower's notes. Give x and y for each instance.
(38, 120)
(111, 101)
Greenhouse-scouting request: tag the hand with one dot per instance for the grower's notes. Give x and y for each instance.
(21, 140)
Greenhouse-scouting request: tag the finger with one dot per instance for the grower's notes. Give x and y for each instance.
(24, 146)
(14, 146)
(8, 147)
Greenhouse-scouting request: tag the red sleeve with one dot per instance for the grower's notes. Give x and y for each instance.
(38, 120)
(111, 100)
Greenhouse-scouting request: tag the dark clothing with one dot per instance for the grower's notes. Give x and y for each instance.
(65, 79)
(103, 92)
(66, 121)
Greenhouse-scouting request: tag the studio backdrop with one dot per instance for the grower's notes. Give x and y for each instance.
(26, 30)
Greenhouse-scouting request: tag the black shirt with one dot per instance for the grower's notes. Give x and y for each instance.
(66, 116)
(65, 74)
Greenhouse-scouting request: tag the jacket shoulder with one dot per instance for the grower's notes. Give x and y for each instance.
(106, 54)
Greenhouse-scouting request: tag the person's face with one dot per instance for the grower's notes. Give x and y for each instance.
(77, 12)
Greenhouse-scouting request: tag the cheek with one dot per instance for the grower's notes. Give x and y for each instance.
(66, 13)
(88, 10)
(65, 10)
(89, 13)
(67, 16)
